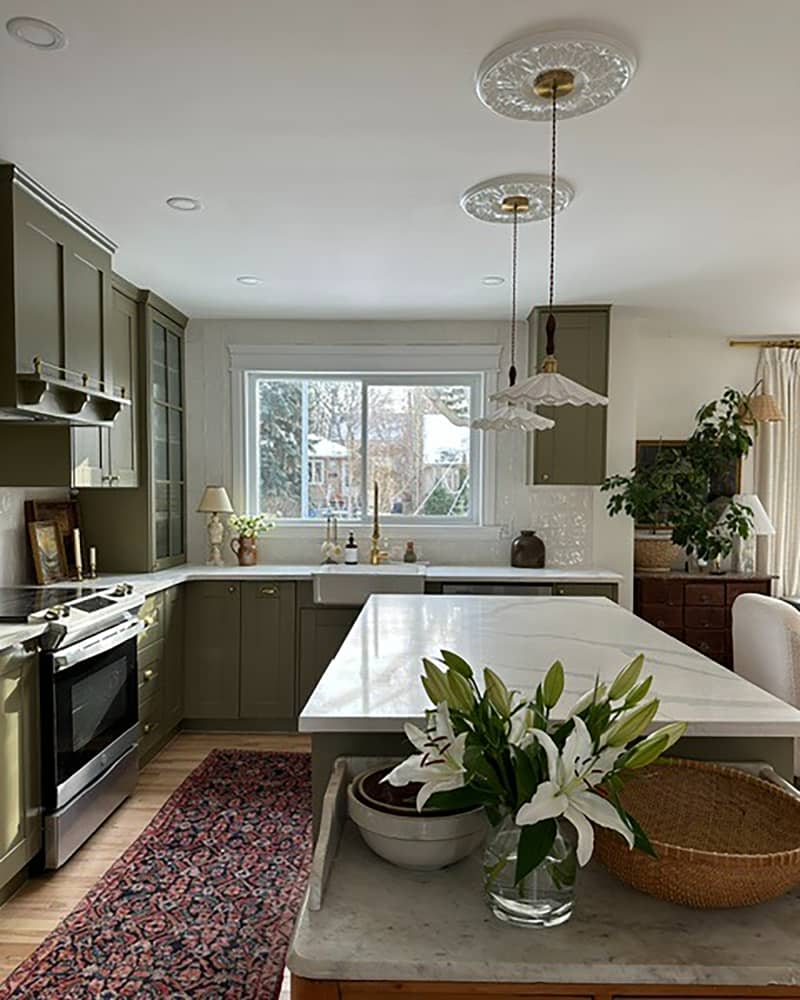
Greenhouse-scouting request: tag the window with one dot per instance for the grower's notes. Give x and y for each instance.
(315, 444)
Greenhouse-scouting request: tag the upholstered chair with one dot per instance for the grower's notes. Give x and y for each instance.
(766, 648)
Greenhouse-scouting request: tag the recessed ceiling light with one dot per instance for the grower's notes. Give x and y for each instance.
(38, 34)
(182, 204)
(248, 279)
(493, 279)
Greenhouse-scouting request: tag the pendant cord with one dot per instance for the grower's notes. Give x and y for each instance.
(512, 371)
(551, 320)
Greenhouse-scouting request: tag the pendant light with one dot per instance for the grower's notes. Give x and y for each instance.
(509, 416)
(548, 387)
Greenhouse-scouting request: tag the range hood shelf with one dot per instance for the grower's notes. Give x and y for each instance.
(58, 399)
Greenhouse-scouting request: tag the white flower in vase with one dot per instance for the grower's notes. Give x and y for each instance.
(439, 766)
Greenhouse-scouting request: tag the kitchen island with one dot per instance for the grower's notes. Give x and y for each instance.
(371, 687)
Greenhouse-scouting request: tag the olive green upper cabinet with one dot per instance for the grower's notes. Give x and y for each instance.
(20, 785)
(574, 451)
(55, 308)
(153, 511)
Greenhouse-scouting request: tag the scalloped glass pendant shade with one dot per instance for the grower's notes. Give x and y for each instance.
(513, 418)
(550, 389)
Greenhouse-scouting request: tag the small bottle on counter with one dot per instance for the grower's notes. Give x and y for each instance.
(410, 554)
(351, 551)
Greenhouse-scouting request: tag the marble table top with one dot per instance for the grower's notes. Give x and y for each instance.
(372, 685)
(378, 922)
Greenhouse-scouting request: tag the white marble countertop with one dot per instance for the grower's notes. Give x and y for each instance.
(152, 582)
(372, 685)
(379, 922)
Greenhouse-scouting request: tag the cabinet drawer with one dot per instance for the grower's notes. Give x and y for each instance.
(709, 617)
(149, 664)
(665, 616)
(152, 614)
(661, 592)
(150, 724)
(735, 589)
(705, 593)
(710, 643)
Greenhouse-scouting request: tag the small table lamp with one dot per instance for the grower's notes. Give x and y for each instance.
(215, 501)
(744, 549)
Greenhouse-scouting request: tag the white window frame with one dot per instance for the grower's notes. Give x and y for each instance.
(316, 472)
(432, 364)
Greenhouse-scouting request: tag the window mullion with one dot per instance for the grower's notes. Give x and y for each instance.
(364, 439)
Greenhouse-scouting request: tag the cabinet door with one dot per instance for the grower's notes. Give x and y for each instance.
(173, 664)
(608, 590)
(212, 650)
(574, 451)
(168, 433)
(322, 632)
(121, 361)
(39, 238)
(20, 784)
(87, 289)
(268, 651)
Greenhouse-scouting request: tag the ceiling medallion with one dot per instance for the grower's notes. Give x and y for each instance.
(484, 201)
(602, 69)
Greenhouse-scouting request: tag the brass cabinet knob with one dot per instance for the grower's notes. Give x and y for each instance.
(147, 675)
(148, 727)
(545, 476)
(231, 589)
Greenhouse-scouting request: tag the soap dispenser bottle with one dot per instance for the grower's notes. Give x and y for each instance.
(351, 551)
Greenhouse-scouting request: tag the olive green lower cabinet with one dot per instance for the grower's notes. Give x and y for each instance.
(20, 762)
(161, 670)
(322, 631)
(240, 655)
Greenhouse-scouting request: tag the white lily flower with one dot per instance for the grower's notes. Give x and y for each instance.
(596, 693)
(568, 792)
(521, 732)
(439, 766)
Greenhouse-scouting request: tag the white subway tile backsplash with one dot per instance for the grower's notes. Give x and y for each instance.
(563, 518)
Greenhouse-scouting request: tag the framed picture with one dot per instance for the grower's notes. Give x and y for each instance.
(726, 484)
(47, 547)
(67, 517)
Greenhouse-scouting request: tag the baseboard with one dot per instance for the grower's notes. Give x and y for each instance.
(240, 725)
(8, 890)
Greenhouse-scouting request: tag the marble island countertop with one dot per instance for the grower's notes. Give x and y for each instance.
(378, 922)
(372, 685)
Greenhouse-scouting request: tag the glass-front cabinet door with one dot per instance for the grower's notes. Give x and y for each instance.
(168, 441)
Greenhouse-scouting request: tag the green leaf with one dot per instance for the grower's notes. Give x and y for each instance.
(460, 798)
(457, 663)
(534, 844)
(524, 775)
(641, 841)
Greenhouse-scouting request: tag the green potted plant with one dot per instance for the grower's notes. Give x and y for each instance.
(676, 491)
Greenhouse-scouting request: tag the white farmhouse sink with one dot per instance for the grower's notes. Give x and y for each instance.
(354, 584)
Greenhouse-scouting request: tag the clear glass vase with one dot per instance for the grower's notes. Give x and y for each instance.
(542, 899)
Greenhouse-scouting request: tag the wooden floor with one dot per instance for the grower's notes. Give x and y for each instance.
(29, 916)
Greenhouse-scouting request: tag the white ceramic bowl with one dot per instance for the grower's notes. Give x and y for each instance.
(421, 843)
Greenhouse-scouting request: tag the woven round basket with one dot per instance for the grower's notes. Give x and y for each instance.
(723, 838)
(654, 554)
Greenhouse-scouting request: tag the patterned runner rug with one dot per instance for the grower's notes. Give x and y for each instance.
(202, 905)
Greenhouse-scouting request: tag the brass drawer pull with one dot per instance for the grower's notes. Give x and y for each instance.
(271, 590)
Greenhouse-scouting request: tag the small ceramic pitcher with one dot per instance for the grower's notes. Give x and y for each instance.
(246, 549)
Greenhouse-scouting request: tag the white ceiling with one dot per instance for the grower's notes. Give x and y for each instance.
(330, 140)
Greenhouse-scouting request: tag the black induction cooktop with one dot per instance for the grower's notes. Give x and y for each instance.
(17, 604)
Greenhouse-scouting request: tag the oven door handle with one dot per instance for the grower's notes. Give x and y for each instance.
(100, 643)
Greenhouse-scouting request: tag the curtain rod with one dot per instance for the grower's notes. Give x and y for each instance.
(764, 343)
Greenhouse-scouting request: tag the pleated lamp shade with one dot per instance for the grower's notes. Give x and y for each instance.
(549, 388)
(513, 418)
(764, 409)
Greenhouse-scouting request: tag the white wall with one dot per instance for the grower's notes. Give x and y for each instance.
(16, 566)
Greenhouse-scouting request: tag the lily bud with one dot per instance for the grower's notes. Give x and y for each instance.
(639, 692)
(461, 695)
(626, 678)
(632, 725)
(436, 687)
(647, 751)
(553, 685)
(674, 731)
(498, 693)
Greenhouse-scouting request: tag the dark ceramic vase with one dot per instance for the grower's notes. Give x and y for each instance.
(527, 551)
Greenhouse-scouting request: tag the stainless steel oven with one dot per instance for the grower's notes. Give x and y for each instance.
(90, 730)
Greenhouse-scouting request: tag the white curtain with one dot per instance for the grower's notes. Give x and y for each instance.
(778, 468)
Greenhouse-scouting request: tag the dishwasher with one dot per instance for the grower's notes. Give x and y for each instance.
(499, 589)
